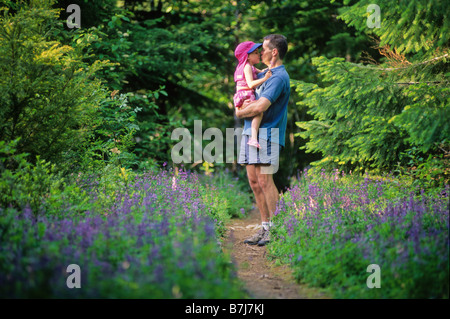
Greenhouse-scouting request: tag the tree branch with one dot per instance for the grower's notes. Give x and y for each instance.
(406, 67)
(427, 82)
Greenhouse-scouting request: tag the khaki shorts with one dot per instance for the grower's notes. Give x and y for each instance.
(268, 155)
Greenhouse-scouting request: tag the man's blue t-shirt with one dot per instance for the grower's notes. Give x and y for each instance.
(277, 90)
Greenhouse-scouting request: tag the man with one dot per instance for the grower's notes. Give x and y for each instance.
(272, 100)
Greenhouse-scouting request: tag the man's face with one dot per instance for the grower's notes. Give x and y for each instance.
(266, 53)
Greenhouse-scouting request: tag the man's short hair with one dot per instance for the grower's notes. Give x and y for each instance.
(278, 41)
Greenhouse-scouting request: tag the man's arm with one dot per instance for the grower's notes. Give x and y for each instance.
(250, 109)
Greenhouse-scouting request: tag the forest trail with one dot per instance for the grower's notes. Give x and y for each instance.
(262, 279)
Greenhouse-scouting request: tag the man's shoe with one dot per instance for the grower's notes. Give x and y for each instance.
(255, 239)
(265, 239)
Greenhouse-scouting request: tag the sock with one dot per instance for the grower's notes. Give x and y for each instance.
(265, 225)
(270, 224)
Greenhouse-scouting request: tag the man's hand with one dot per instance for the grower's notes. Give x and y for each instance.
(238, 111)
(246, 103)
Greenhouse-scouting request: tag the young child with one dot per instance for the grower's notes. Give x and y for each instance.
(246, 80)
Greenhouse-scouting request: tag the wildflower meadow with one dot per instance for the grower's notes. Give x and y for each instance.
(331, 227)
(149, 235)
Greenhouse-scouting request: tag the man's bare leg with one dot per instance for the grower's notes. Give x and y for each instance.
(269, 190)
(260, 197)
(266, 196)
(260, 203)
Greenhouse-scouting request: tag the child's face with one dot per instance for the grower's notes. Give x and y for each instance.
(253, 57)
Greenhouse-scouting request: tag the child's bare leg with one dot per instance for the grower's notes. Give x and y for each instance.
(256, 121)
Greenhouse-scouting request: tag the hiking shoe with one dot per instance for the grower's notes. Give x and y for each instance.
(254, 142)
(255, 238)
(265, 239)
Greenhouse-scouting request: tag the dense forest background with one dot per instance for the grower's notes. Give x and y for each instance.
(168, 63)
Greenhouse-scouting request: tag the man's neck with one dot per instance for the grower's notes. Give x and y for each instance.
(277, 63)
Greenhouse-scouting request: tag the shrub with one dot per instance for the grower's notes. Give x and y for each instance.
(233, 193)
(27, 184)
(367, 116)
(50, 95)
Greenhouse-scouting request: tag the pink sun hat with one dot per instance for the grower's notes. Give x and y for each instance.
(241, 53)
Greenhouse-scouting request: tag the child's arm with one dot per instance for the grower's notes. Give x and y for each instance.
(251, 83)
(259, 71)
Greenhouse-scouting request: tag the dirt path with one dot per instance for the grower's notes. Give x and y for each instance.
(263, 280)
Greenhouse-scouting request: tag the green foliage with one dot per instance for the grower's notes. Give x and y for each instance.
(426, 115)
(93, 12)
(153, 140)
(365, 117)
(428, 171)
(412, 26)
(365, 120)
(28, 184)
(231, 193)
(37, 186)
(50, 93)
(145, 56)
(352, 116)
(111, 137)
